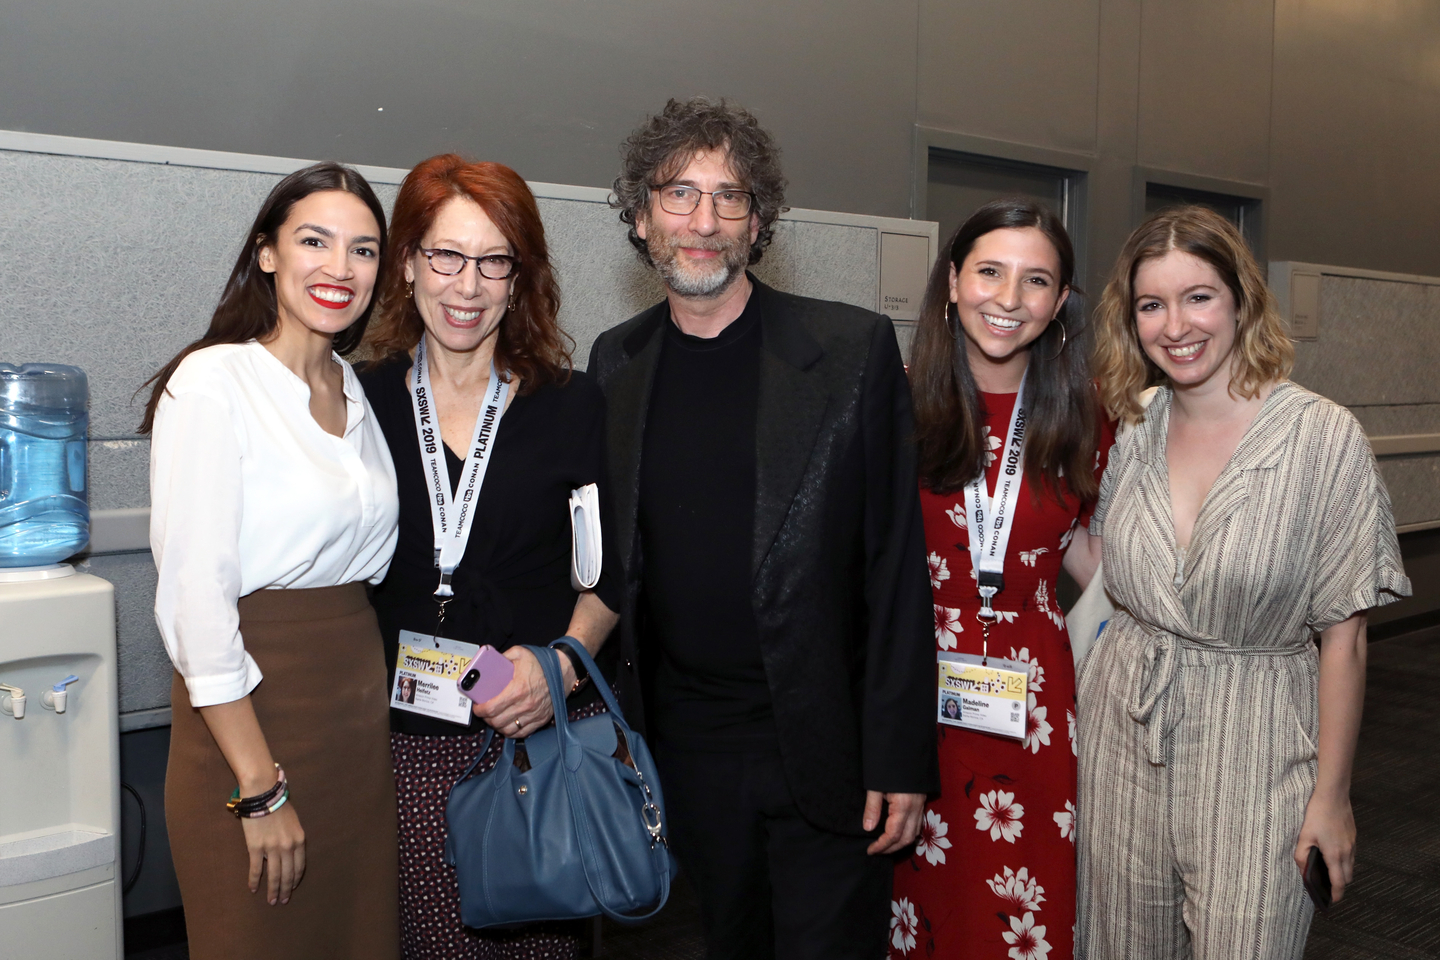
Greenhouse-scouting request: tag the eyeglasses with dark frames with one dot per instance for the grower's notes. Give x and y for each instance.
(682, 200)
(492, 266)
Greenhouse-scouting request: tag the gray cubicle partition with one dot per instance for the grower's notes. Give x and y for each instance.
(1371, 341)
(112, 256)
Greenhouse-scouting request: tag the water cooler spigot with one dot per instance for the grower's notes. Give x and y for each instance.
(54, 698)
(12, 701)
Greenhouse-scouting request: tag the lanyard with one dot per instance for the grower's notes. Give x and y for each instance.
(451, 522)
(991, 518)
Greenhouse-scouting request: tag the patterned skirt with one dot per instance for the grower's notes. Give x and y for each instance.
(430, 927)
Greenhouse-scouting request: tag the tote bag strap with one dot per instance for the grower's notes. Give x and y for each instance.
(507, 756)
(507, 753)
(560, 716)
(572, 754)
(596, 676)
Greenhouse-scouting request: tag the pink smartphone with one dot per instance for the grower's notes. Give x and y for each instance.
(486, 676)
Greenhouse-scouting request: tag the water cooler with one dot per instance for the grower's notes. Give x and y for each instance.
(60, 896)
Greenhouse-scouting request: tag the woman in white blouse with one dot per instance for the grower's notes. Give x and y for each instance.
(272, 505)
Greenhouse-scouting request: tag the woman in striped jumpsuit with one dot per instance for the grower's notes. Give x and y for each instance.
(1239, 519)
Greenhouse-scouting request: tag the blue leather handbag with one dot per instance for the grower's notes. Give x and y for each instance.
(573, 828)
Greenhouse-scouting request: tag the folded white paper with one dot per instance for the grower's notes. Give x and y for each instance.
(585, 548)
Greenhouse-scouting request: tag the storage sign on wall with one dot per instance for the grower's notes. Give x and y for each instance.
(904, 268)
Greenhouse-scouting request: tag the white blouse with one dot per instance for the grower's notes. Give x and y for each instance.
(248, 492)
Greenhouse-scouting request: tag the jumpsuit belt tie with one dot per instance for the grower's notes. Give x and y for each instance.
(1152, 704)
(1162, 659)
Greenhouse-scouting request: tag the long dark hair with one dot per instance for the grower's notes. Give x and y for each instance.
(247, 308)
(1064, 423)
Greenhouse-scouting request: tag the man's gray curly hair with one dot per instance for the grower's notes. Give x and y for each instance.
(661, 147)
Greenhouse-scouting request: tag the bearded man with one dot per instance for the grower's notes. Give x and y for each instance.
(777, 611)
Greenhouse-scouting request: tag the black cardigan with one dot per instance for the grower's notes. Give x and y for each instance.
(513, 584)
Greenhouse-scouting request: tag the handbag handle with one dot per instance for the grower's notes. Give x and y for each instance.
(506, 760)
(598, 677)
(556, 697)
(571, 755)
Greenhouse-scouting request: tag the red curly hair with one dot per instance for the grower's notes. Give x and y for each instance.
(530, 343)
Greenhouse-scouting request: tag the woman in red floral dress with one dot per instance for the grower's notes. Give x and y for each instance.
(993, 873)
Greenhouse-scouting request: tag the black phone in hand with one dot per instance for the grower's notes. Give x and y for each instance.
(1317, 879)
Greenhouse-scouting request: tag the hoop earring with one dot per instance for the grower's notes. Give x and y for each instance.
(1064, 338)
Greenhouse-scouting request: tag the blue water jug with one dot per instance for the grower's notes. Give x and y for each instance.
(44, 509)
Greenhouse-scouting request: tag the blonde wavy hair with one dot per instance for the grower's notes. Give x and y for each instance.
(1263, 351)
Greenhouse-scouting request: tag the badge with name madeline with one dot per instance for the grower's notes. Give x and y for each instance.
(984, 694)
(987, 693)
(425, 673)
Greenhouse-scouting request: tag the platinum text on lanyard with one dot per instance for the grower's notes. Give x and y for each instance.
(452, 516)
(991, 518)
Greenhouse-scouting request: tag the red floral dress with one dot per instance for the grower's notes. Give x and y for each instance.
(993, 873)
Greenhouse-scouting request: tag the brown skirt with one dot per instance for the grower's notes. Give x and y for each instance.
(324, 709)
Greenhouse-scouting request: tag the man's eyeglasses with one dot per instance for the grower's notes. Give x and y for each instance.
(681, 200)
(492, 266)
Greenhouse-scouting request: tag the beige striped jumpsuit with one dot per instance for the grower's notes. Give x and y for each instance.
(1197, 707)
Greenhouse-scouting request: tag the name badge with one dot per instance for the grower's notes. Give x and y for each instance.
(425, 674)
(984, 696)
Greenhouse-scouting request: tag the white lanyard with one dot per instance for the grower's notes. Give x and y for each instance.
(991, 518)
(451, 523)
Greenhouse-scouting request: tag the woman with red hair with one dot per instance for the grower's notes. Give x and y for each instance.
(469, 353)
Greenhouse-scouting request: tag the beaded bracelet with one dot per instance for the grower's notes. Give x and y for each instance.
(244, 806)
(266, 811)
(263, 804)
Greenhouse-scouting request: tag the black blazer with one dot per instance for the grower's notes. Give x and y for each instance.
(841, 586)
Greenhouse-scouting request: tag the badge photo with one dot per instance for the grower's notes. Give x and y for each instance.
(983, 694)
(427, 670)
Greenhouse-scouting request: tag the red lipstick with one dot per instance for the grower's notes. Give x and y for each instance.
(331, 304)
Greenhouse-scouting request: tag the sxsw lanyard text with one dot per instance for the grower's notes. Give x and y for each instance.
(991, 518)
(452, 516)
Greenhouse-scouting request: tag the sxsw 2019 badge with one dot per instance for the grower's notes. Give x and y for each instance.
(984, 695)
(425, 675)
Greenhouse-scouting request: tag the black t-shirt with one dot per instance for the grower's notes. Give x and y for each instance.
(697, 519)
(513, 583)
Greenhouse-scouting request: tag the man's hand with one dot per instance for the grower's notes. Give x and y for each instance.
(902, 826)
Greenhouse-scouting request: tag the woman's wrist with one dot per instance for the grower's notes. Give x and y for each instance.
(264, 803)
(1331, 794)
(257, 782)
(571, 677)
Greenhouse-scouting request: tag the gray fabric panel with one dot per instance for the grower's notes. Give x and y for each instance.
(119, 474)
(1385, 420)
(1414, 485)
(1378, 353)
(1379, 343)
